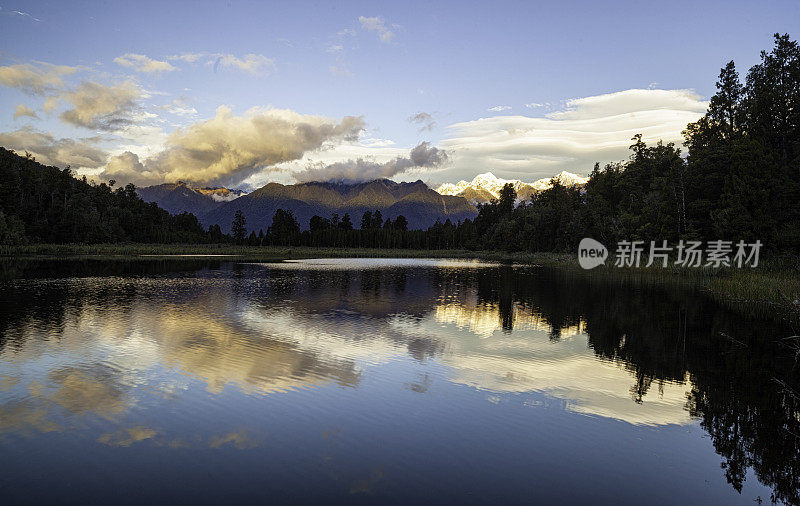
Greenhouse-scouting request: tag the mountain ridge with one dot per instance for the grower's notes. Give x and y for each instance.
(421, 205)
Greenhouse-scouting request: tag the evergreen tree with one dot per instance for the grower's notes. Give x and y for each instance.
(346, 224)
(238, 227)
(284, 229)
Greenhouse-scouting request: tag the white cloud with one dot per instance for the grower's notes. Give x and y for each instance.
(590, 129)
(22, 14)
(102, 107)
(378, 25)
(49, 150)
(142, 63)
(629, 102)
(23, 110)
(251, 63)
(499, 108)
(533, 105)
(38, 79)
(179, 107)
(188, 57)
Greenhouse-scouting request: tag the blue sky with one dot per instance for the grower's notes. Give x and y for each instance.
(469, 67)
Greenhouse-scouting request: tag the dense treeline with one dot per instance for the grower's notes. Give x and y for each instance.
(47, 204)
(740, 179)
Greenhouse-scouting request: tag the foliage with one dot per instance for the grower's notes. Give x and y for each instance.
(47, 204)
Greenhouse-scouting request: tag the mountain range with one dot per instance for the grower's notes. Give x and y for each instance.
(485, 187)
(420, 205)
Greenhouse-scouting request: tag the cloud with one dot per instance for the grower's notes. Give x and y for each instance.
(227, 149)
(533, 105)
(51, 151)
(50, 104)
(340, 70)
(24, 110)
(424, 119)
(102, 107)
(180, 107)
(629, 102)
(22, 14)
(378, 25)
(251, 63)
(37, 79)
(590, 129)
(422, 156)
(499, 108)
(127, 167)
(142, 63)
(188, 57)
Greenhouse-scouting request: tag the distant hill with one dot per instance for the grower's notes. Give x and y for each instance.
(420, 205)
(485, 187)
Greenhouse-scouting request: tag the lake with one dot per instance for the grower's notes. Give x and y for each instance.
(380, 380)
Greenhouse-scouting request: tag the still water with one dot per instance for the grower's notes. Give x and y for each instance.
(212, 380)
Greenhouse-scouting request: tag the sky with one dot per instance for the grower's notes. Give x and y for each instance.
(244, 93)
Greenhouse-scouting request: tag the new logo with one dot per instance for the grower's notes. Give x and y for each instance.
(591, 253)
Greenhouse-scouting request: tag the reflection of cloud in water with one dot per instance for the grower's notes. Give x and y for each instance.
(103, 362)
(468, 340)
(528, 361)
(127, 437)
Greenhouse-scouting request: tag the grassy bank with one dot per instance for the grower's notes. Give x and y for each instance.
(254, 253)
(774, 284)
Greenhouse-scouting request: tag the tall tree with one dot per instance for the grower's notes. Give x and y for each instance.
(508, 197)
(724, 106)
(238, 227)
(284, 229)
(346, 224)
(366, 220)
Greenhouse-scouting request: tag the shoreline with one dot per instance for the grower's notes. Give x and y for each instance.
(774, 284)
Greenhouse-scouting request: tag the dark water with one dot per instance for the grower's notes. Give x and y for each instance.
(381, 380)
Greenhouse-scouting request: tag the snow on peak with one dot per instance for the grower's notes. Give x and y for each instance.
(493, 184)
(486, 181)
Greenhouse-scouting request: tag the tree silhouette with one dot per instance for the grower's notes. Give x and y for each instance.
(284, 229)
(346, 224)
(238, 227)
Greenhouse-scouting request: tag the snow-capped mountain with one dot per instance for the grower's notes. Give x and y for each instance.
(485, 187)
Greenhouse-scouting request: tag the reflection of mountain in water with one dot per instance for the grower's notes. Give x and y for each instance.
(640, 356)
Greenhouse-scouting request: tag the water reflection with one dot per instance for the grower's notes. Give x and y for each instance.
(175, 354)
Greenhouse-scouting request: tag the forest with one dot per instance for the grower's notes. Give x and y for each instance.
(738, 179)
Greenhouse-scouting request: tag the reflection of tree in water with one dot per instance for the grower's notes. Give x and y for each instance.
(732, 361)
(744, 382)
